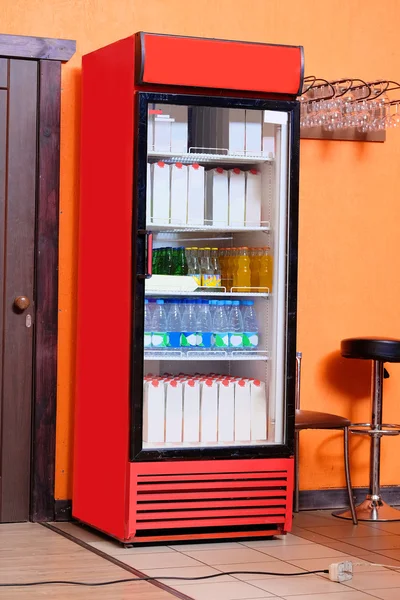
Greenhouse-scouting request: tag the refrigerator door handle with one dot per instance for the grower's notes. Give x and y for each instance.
(149, 252)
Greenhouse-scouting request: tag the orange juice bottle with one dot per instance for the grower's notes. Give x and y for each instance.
(253, 267)
(266, 270)
(221, 258)
(229, 268)
(234, 266)
(243, 270)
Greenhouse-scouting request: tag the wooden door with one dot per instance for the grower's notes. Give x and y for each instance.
(18, 149)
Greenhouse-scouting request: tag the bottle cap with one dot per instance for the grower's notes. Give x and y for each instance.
(146, 301)
(235, 302)
(160, 301)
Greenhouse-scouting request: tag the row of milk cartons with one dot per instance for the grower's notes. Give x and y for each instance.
(203, 408)
(172, 128)
(180, 194)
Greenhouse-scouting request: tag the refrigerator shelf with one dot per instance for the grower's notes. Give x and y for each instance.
(170, 228)
(217, 444)
(205, 158)
(205, 355)
(207, 294)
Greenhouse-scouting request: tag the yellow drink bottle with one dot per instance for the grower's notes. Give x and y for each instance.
(243, 270)
(254, 267)
(266, 270)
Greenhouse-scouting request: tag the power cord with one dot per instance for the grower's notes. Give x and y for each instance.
(166, 578)
(338, 572)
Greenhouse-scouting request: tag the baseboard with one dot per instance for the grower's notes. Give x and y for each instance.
(338, 498)
(63, 510)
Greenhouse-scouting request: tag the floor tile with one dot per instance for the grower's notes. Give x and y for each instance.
(81, 533)
(393, 554)
(339, 531)
(276, 566)
(205, 546)
(188, 572)
(390, 594)
(221, 557)
(161, 561)
(283, 540)
(381, 542)
(374, 557)
(347, 548)
(223, 591)
(308, 551)
(311, 564)
(374, 580)
(337, 596)
(393, 527)
(116, 549)
(309, 584)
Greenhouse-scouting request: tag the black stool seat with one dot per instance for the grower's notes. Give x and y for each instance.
(372, 348)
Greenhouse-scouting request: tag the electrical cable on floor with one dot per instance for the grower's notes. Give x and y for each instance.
(103, 583)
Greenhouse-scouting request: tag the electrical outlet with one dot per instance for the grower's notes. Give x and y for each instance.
(342, 571)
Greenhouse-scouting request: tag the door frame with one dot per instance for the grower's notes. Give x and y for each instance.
(49, 53)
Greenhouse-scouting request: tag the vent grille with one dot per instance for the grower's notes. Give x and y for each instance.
(165, 499)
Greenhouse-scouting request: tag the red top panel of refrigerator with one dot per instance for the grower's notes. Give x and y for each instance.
(218, 64)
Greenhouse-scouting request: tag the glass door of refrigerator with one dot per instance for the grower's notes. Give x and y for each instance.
(215, 306)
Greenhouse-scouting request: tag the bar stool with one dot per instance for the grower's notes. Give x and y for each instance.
(311, 419)
(379, 350)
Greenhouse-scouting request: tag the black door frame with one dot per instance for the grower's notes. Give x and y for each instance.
(49, 53)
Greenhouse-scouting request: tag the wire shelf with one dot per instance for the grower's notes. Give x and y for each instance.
(204, 293)
(207, 158)
(176, 228)
(205, 355)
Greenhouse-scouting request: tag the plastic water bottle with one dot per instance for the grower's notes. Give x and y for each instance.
(228, 307)
(212, 305)
(250, 325)
(235, 324)
(159, 335)
(220, 338)
(189, 325)
(147, 324)
(174, 324)
(204, 325)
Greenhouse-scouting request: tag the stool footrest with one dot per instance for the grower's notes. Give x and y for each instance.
(368, 429)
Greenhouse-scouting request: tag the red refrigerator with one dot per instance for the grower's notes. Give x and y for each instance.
(187, 291)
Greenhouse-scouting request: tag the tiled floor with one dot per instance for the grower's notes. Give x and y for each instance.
(318, 539)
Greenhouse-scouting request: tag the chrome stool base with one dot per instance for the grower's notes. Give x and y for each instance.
(371, 510)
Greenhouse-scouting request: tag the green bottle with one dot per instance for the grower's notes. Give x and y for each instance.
(181, 267)
(169, 262)
(154, 263)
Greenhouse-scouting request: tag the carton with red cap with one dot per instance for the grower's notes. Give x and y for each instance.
(242, 410)
(253, 198)
(236, 197)
(217, 201)
(173, 411)
(179, 184)
(161, 193)
(195, 195)
(209, 410)
(153, 411)
(191, 411)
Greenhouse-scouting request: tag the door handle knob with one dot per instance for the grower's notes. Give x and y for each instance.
(22, 302)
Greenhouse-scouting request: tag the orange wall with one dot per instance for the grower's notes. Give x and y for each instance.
(350, 212)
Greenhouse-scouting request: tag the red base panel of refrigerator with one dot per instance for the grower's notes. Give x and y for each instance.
(209, 499)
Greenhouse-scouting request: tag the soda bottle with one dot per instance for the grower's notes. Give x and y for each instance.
(174, 324)
(220, 337)
(194, 266)
(180, 266)
(216, 266)
(250, 325)
(147, 324)
(189, 325)
(235, 325)
(154, 263)
(243, 270)
(204, 325)
(234, 263)
(159, 336)
(265, 270)
(188, 255)
(207, 271)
